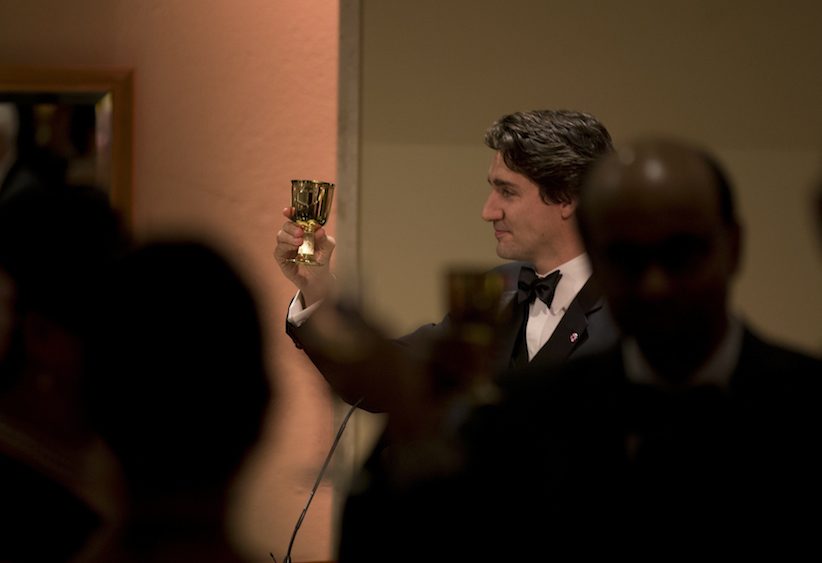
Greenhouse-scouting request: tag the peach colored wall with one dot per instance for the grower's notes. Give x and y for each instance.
(232, 99)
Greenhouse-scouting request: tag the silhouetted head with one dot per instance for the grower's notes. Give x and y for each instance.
(659, 223)
(180, 388)
(57, 245)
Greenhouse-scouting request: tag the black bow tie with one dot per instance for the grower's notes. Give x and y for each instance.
(530, 286)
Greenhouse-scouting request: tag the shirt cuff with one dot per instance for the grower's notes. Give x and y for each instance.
(297, 314)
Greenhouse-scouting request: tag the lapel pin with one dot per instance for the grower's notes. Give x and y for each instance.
(574, 337)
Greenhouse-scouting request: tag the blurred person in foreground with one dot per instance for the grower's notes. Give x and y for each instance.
(692, 435)
(179, 390)
(58, 483)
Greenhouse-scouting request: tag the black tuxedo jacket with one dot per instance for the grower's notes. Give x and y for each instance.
(585, 328)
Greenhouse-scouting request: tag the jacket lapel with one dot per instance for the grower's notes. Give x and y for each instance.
(510, 325)
(572, 330)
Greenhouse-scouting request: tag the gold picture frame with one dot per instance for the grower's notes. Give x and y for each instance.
(109, 91)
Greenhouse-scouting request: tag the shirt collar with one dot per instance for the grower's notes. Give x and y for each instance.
(575, 274)
(717, 370)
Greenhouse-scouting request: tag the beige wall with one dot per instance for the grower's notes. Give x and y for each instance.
(232, 99)
(742, 76)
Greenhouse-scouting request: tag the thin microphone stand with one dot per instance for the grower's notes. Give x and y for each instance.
(287, 558)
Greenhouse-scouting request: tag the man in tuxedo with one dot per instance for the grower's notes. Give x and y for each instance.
(693, 434)
(553, 309)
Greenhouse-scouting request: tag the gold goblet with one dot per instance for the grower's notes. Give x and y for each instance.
(311, 201)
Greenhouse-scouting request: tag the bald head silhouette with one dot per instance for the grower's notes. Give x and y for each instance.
(658, 220)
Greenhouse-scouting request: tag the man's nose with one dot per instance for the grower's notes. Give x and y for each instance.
(655, 282)
(490, 210)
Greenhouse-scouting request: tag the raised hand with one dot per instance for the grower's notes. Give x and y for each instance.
(314, 282)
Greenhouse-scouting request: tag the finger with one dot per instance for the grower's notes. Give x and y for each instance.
(286, 246)
(321, 239)
(288, 241)
(288, 212)
(293, 229)
(324, 240)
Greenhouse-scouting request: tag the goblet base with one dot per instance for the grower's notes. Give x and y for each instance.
(305, 261)
(305, 253)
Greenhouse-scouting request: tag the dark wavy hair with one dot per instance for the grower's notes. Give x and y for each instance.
(553, 148)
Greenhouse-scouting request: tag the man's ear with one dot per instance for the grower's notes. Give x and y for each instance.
(567, 210)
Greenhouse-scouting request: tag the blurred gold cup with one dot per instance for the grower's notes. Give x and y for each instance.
(474, 302)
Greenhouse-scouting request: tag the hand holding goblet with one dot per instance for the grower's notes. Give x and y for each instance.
(311, 201)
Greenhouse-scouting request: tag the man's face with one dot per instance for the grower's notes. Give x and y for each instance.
(526, 228)
(665, 260)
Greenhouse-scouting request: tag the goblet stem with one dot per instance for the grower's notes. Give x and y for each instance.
(305, 254)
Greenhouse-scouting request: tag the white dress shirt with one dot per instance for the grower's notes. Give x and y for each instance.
(542, 320)
(297, 314)
(717, 370)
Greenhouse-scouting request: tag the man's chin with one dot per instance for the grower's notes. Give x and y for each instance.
(506, 253)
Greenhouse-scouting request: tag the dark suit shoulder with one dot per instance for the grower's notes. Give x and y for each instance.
(765, 355)
(773, 367)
